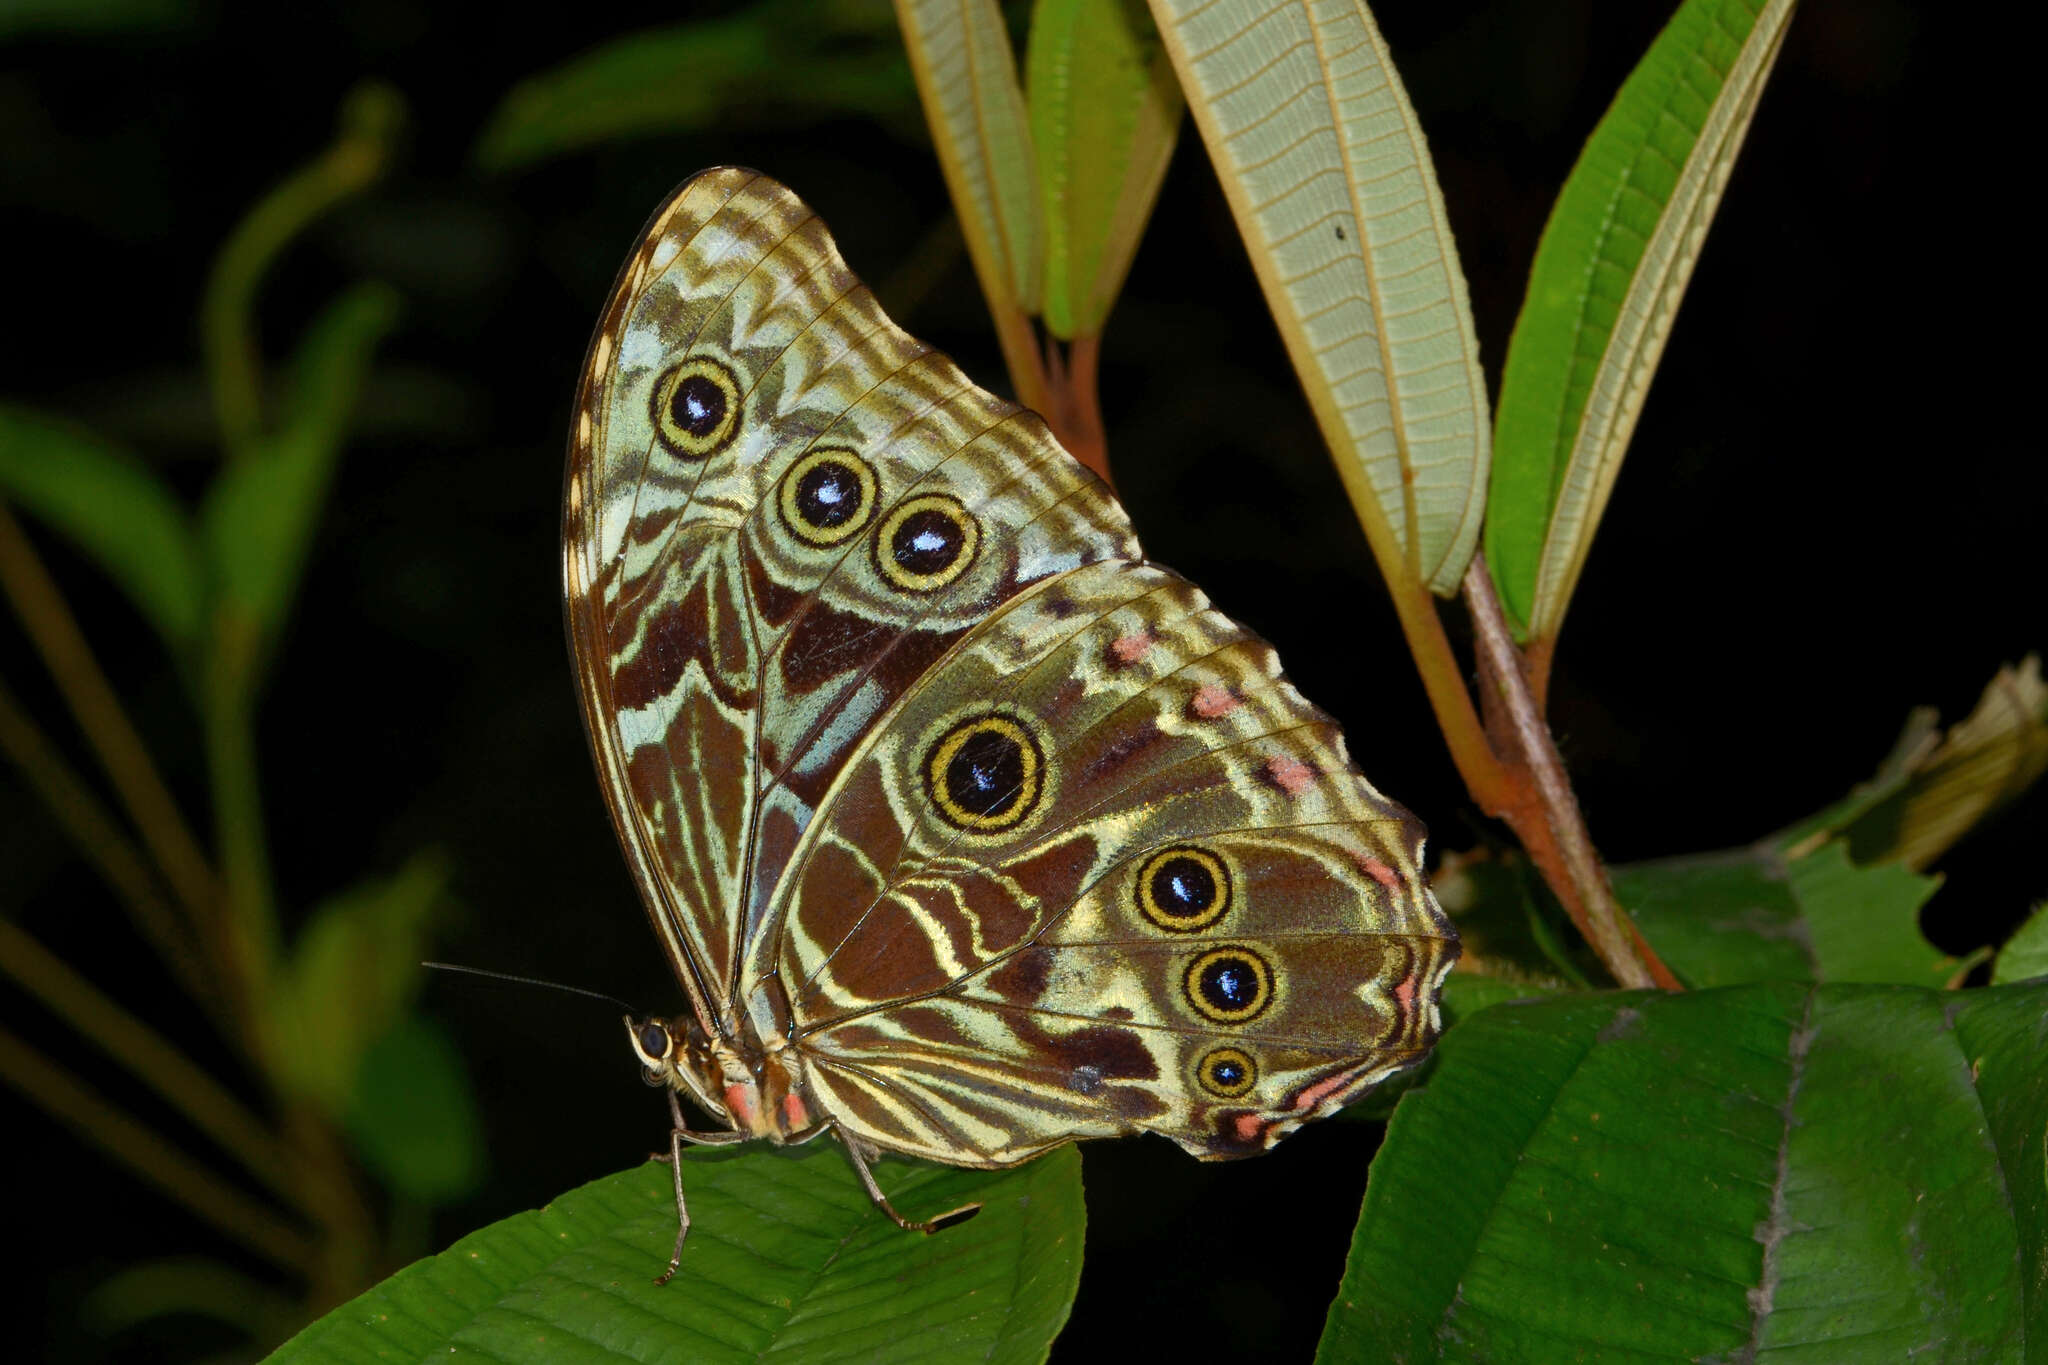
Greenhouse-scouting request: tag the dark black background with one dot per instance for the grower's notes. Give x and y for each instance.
(1828, 515)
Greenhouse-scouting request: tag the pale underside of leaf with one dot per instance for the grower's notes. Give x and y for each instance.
(967, 79)
(1330, 180)
(1649, 302)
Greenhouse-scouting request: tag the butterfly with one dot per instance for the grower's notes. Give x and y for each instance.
(967, 830)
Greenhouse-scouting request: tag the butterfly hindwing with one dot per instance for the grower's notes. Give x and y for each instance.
(1181, 909)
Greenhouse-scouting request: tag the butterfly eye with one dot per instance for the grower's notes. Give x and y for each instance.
(1230, 985)
(828, 496)
(986, 774)
(654, 1042)
(1183, 890)
(1227, 1072)
(696, 408)
(926, 543)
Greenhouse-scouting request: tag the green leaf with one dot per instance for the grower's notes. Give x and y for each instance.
(412, 1116)
(93, 18)
(187, 1286)
(2025, 954)
(1752, 914)
(1464, 995)
(1105, 112)
(792, 61)
(261, 512)
(967, 81)
(1609, 275)
(1771, 1172)
(1334, 193)
(114, 508)
(1509, 928)
(348, 979)
(787, 1260)
(1934, 788)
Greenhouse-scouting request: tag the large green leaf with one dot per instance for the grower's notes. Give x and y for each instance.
(260, 515)
(1105, 112)
(787, 1261)
(967, 80)
(1325, 167)
(2025, 954)
(1609, 275)
(786, 59)
(114, 508)
(1753, 914)
(1775, 1172)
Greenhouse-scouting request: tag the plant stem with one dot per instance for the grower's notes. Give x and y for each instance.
(120, 864)
(146, 1155)
(1542, 809)
(1073, 406)
(1020, 353)
(143, 1051)
(370, 118)
(251, 920)
(50, 624)
(1444, 681)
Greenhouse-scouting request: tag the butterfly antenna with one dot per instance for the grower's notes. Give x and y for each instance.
(534, 981)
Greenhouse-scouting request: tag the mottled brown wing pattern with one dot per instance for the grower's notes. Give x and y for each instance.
(780, 511)
(929, 781)
(994, 991)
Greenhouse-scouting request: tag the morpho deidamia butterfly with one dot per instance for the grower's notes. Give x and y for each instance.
(967, 831)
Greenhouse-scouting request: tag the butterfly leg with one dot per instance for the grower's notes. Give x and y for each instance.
(679, 1134)
(867, 1179)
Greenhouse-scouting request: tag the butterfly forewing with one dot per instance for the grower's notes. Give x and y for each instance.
(929, 781)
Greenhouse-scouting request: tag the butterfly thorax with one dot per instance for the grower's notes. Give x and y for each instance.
(757, 1088)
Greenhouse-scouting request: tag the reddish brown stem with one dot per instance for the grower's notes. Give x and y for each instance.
(1073, 408)
(1541, 808)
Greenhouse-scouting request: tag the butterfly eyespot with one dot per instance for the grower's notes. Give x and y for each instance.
(1227, 1072)
(926, 543)
(828, 496)
(1230, 985)
(985, 774)
(696, 408)
(1183, 890)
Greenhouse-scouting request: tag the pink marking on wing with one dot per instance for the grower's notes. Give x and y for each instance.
(1323, 1089)
(1377, 870)
(1131, 648)
(1213, 701)
(1405, 993)
(794, 1113)
(1248, 1127)
(1291, 775)
(740, 1105)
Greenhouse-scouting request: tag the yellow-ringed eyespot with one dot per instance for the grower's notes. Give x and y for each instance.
(1227, 1072)
(1230, 985)
(985, 774)
(828, 496)
(1183, 889)
(696, 407)
(926, 543)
